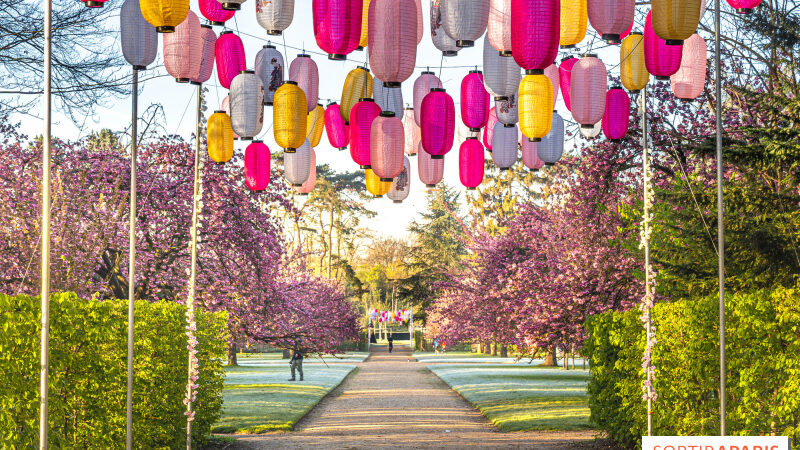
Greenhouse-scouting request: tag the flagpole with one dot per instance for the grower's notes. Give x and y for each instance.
(720, 223)
(132, 259)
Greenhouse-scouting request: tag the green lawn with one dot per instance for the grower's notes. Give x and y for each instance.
(258, 399)
(517, 398)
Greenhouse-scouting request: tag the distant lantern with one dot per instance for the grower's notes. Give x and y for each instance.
(315, 125)
(229, 54)
(675, 20)
(297, 165)
(551, 147)
(441, 40)
(269, 67)
(530, 154)
(311, 181)
(617, 115)
(303, 70)
(505, 145)
(411, 132)
(375, 185)
(535, 31)
(213, 12)
(464, 20)
(393, 40)
(632, 70)
(338, 132)
(256, 166)
(507, 111)
(361, 117)
(247, 104)
(611, 18)
(588, 90)
(183, 49)
(219, 135)
(661, 60)
(289, 116)
(499, 28)
(471, 163)
(274, 15)
(364, 39)
(501, 75)
(337, 26)
(386, 144)
(535, 105)
(388, 98)
(488, 130)
(688, 82)
(165, 15)
(474, 101)
(438, 123)
(430, 170)
(357, 85)
(231, 5)
(564, 79)
(573, 22)
(744, 6)
(422, 86)
(207, 61)
(552, 73)
(401, 185)
(139, 39)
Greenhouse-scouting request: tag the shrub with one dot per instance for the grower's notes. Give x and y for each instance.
(88, 372)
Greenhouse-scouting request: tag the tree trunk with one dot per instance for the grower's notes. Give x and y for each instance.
(550, 358)
(286, 353)
(504, 351)
(565, 357)
(494, 348)
(232, 361)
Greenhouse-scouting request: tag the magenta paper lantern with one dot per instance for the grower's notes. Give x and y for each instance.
(688, 82)
(338, 132)
(422, 86)
(207, 62)
(337, 26)
(183, 49)
(564, 79)
(471, 163)
(611, 18)
(229, 53)
(213, 12)
(392, 40)
(430, 170)
(552, 72)
(617, 114)
(361, 117)
(256, 166)
(474, 101)
(661, 60)
(588, 84)
(744, 6)
(499, 29)
(386, 144)
(530, 154)
(438, 123)
(488, 130)
(304, 71)
(412, 132)
(535, 31)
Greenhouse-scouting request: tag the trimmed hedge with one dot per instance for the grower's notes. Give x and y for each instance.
(88, 372)
(763, 365)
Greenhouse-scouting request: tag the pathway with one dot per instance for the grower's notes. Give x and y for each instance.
(392, 402)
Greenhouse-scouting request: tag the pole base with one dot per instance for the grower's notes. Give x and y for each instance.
(397, 201)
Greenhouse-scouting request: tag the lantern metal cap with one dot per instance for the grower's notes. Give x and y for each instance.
(290, 150)
(474, 130)
(336, 57)
(303, 55)
(502, 98)
(257, 141)
(268, 103)
(360, 48)
(297, 185)
(635, 91)
(220, 111)
(637, 33)
(391, 84)
(226, 32)
(330, 104)
(217, 24)
(377, 196)
(93, 4)
(202, 25)
(387, 114)
(504, 168)
(509, 125)
(268, 46)
(616, 86)
(139, 67)
(231, 6)
(365, 167)
(564, 47)
(534, 139)
(589, 55)
(430, 186)
(472, 137)
(662, 78)
(438, 90)
(397, 201)
(437, 156)
(549, 164)
(506, 53)
(408, 108)
(472, 189)
(363, 68)
(182, 80)
(535, 170)
(462, 43)
(674, 42)
(744, 10)
(367, 99)
(567, 58)
(387, 180)
(610, 38)
(450, 53)
(534, 72)
(475, 71)
(342, 148)
(165, 29)
(290, 82)
(587, 126)
(274, 32)
(246, 71)
(195, 83)
(427, 72)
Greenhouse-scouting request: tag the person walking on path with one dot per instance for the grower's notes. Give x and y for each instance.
(391, 342)
(296, 363)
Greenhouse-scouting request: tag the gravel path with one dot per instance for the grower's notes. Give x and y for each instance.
(392, 402)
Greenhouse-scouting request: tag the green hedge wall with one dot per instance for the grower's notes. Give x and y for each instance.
(88, 361)
(763, 365)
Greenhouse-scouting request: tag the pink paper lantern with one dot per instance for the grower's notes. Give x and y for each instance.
(617, 114)
(661, 60)
(530, 154)
(499, 29)
(438, 123)
(387, 141)
(213, 12)
(430, 170)
(337, 26)
(226, 106)
(229, 53)
(207, 62)
(744, 6)
(338, 132)
(256, 166)
(688, 82)
(423, 85)
(488, 130)
(361, 117)
(552, 72)
(474, 101)
(471, 163)
(311, 181)
(611, 18)
(392, 40)
(535, 31)
(412, 132)
(588, 86)
(564, 79)
(304, 71)
(183, 49)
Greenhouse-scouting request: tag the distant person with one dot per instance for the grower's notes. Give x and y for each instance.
(296, 363)
(391, 342)
(436, 345)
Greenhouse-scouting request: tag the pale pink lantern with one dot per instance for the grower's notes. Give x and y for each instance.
(617, 115)
(471, 163)
(412, 132)
(386, 144)
(337, 26)
(420, 26)
(361, 117)
(226, 106)
(488, 130)
(564, 78)
(212, 10)
(661, 60)
(423, 85)
(183, 49)
(338, 132)
(392, 40)
(430, 170)
(207, 63)
(611, 18)
(438, 123)
(311, 181)
(304, 71)
(474, 101)
(230, 57)
(552, 72)
(530, 154)
(499, 29)
(588, 86)
(688, 82)
(256, 166)
(535, 32)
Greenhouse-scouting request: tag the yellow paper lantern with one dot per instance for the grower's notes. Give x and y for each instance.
(375, 186)
(535, 105)
(220, 137)
(165, 15)
(289, 116)
(364, 26)
(315, 125)
(573, 22)
(357, 85)
(632, 70)
(676, 20)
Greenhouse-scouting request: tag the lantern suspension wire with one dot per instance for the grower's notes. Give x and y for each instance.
(132, 259)
(720, 224)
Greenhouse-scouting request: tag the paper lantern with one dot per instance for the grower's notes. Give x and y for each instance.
(632, 70)
(441, 40)
(338, 132)
(269, 67)
(591, 132)
(386, 144)
(388, 98)
(337, 26)
(470, 163)
(256, 166)
(438, 123)
(231, 5)
(357, 85)
(207, 60)
(164, 15)
(422, 86)
(535, 31)
(661, 60)
(501, 75)
(474, 101)
(555, 81)
(213, 12)
(289, 116)
(315, 125)
(219, 135)
(507, 110)
(573, 22)
(362, 115)
(401, 185)
(411, 132)
(363, 41)
(297, 165)
(420, 24)
(675, 20)
(499, 28)
(183, 49)
(226, 106)
(139, 39)
(688, 82)
(464, 20)
(376, 186)
(488, 130)
(551, 146)
(530, 154)
(304, 71)
(535, 105)
(247, 104)
(230, 57)
(274, 15)
(393, 40)
(617, 113)
(565, 78)
(311, 181)
(504, 145)
(588, 90)
(430, 170)
(744, 6)
(611, 18)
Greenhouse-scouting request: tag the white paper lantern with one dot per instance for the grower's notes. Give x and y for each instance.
(501, 75)
(297, 165)
(591, 133)
(465, 21)
(551, 147)
(274, 15)
(388, 98)
(269, 68)
(439, 36)
(247, 104)
(505, 145)
(508, 110)
(401, 185)
(139, 38)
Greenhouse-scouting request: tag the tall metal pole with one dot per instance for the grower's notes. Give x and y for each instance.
(646, 240)
(720, 224)
(45, 291)
(132, 259)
